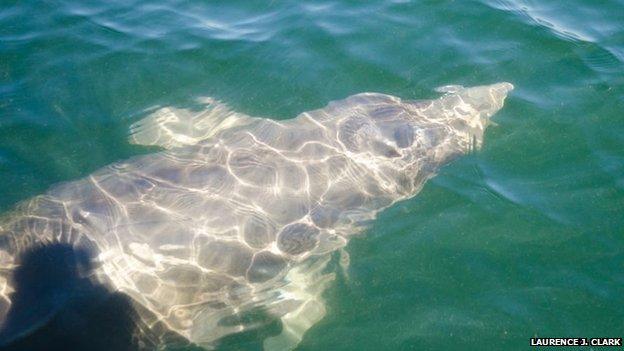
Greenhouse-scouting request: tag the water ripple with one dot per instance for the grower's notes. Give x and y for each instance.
(543, 15)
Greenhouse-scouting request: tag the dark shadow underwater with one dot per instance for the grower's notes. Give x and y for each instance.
(58, 305)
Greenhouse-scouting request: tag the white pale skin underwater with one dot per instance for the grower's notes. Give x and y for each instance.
(240, 214)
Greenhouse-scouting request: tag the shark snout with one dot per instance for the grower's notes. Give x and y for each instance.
(499, 92)
(503, 88)
(490, 98)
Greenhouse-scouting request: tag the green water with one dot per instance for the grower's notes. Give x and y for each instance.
(524, 238)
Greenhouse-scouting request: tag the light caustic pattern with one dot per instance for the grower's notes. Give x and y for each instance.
(239, 214)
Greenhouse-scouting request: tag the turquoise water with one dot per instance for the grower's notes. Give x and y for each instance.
(524, 238)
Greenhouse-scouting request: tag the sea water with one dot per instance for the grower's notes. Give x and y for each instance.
(524, 238)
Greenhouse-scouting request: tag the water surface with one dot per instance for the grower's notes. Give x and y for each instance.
(524, 238)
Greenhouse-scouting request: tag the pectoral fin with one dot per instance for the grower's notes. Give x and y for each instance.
(171, 127)
(307, 284)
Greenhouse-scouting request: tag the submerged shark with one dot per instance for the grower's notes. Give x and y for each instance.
(239, 215)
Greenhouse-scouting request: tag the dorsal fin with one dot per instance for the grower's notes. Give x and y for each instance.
(171, 127)
(449, 89)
